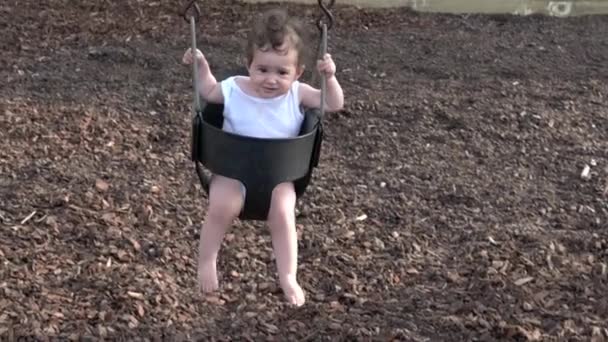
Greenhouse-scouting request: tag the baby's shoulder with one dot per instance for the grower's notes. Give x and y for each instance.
(304, 87)
(243, 82)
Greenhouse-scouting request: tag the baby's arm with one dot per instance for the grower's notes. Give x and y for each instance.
(334, 98)
(209, 88)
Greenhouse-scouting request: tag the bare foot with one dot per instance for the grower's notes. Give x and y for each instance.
(207, 276)
(293, 292)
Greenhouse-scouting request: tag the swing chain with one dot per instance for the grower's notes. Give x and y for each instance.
(324, 27)
(326, 10)
(191, 6)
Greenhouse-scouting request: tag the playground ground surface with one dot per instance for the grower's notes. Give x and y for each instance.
(448, 204)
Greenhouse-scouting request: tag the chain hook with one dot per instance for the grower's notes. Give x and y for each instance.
(326, 10)
(191, 6)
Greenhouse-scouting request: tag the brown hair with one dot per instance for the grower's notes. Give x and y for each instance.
(274, 29)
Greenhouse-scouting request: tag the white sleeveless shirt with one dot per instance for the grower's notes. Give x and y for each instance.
(277, 117)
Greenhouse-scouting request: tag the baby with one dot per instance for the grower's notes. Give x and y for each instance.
(265, 104)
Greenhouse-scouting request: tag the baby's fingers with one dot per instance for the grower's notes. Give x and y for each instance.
(187, 59)
(325, 66)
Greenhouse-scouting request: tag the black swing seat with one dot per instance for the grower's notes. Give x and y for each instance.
(260, 164)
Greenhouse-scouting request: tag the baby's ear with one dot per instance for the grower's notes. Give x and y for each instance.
(300, 71)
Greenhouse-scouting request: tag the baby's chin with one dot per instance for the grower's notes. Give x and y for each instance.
(268, 93)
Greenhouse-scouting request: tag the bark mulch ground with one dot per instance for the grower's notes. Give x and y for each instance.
(448, 205)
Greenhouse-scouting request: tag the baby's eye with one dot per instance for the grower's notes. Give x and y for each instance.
(262, 69)
(283, 72)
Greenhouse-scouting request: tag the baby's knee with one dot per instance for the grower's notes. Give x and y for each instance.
(225, 202)
(283, 199)
(284, 191)
(222, 212)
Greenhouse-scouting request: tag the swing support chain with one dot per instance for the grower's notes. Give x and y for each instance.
(323, 28)
(192, 6)
(197, 106)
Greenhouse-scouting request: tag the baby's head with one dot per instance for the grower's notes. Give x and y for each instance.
(276, 32)
(275, 53)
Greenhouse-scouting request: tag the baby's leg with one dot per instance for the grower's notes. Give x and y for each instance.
(225, 203)
(281, 220)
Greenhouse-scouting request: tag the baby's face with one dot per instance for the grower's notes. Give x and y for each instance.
(272, 73)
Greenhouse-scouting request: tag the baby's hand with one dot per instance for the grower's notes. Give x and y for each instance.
(188, 58)
(326, 66)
